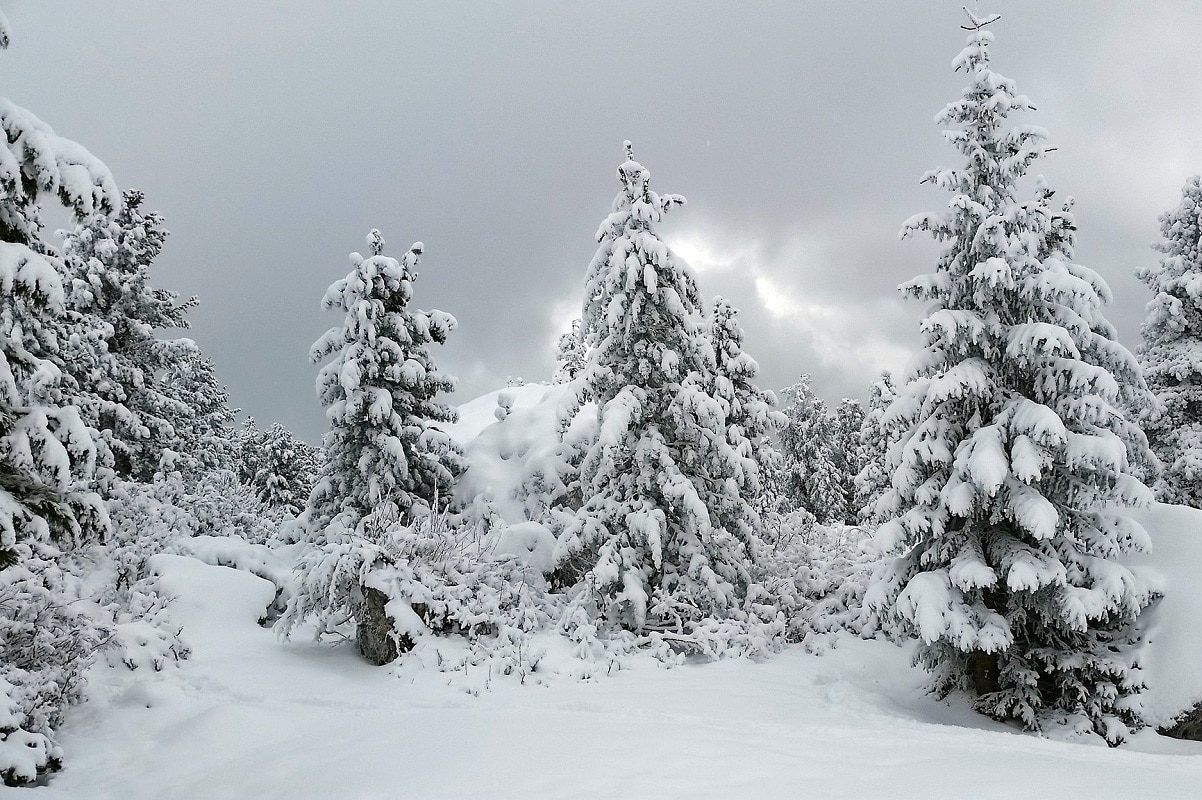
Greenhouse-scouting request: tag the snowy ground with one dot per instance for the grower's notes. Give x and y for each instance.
(250, 716)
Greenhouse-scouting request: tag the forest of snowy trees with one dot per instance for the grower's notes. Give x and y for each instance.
(658, 498)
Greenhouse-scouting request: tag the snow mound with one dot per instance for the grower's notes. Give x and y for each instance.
(518, 458)
(236, 552)
(230, 597)
(530, 543)
(1172, 659)
(478, 414)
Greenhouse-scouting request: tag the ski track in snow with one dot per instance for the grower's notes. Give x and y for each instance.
(250, 716)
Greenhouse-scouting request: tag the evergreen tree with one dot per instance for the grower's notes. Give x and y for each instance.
(47, 454)
(664, 528)
(248, 442)
(873, 478)
(571, 354)
(380, 391)
(849, 456)
(204, 437)
(115, 373)
(751, 417)
(811, 477)
(1172, 338)
(1013, 460)
(285, 478)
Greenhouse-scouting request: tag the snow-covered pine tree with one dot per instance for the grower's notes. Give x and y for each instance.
(205, 437)
(664, 529)
(873, 478)
(1012, 466)
(116, 371)
(848, 454)
(571, 354)
(1056, 237)
(751, 415)
(47, 454)
(286, 475)
(810, 478)
(380, 391)
(387, 464)
(248, 443)
(1172, 339)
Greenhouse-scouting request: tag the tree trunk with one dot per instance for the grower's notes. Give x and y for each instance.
(378, 641)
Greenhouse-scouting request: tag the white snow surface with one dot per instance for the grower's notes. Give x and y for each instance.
(249, 715)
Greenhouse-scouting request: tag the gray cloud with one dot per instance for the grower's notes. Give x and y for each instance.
(273, 136)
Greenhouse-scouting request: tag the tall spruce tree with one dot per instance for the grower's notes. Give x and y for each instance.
(248, 443)
(1172, 340)
(664, 528)
(46, 453)
(751, 416)
(204, 437)
(1013, 461)
(848, 452)
(380, 391)
(286, 475)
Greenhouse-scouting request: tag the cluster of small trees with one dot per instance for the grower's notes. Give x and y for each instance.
(998, 470)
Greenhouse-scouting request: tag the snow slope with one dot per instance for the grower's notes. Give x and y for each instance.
(250, 716)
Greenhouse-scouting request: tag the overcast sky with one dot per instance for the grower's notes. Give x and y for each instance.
(274, 135)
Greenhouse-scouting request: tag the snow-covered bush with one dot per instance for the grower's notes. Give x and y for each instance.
(165, 516)
(224, 506)
(524, 465)
(1012, 467)
(403, 583)
(47, 640)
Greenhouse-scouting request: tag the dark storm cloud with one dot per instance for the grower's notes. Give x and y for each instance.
(274, 135)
